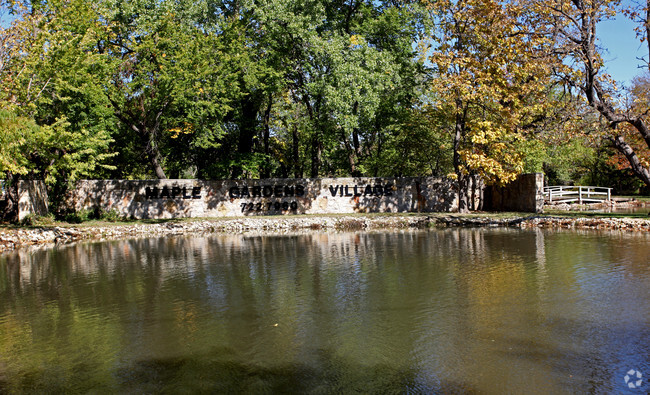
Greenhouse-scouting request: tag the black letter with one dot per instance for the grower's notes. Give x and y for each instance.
(267, 191)
(367, 191)
(233, 192)
(151, 193)
(175, 192)
(289, 190)
(300, 190)
(388, 189)
(277, 191)
(196, 193)
(165, 192)
(244, 192)
(333, 190)
(257, 191)
(356, 193)
(347, 191)
(185, 195)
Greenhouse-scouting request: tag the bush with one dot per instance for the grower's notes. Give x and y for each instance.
(109, 215)
(78, 217)
(92, 214)
(37, 220)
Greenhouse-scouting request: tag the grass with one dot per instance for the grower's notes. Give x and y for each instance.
(588, 214)
(638, 198)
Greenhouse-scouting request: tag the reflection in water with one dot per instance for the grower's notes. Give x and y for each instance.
(458, 310)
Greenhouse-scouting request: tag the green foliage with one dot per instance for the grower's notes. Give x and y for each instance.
(109, 215)
(273, 88)
(38, 220)
(53, 152)
(19, 136)
(78, 217)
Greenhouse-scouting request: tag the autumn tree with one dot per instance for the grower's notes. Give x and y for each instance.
(575, 26)
(490, 85)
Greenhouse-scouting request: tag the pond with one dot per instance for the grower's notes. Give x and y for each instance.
(451, 311)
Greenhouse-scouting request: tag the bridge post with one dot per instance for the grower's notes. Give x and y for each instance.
(580, 195)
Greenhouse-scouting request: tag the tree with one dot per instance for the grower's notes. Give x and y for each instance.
(52, 125)
(338, 66)
(171, 74)
(489, 86)
(575, 26)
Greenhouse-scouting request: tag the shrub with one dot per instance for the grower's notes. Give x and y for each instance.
(109, 215)
(37, 220)
(79, 216)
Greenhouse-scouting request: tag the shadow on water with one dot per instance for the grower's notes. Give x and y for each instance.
(210, 373)
(331, 376)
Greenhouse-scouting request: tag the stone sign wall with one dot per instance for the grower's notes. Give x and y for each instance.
(232, 198)
(525, 194)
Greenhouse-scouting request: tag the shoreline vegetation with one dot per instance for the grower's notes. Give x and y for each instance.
(59, 233)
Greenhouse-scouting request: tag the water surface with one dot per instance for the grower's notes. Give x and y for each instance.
(444, 311)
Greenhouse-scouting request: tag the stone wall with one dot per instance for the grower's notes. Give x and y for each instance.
(32, 198)
(525, 194)
(233, 198)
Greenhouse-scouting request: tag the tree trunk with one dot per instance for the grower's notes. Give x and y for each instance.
(351, 156)
(624, 148)
(152, 152)
(157, 168)
(249, 108)
(316, 152)
(10, 209)
(295, 153)
(266, 167)
(463, 193)
(463, 184)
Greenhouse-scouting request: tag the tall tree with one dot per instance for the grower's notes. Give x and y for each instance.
(54, 122)
(489, 86)
(340, 64)
(575, 25)
(171, 75)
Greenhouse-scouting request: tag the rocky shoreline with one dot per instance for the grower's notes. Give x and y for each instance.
(13, 238)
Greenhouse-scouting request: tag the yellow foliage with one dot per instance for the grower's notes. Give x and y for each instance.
(185, 128)
(356, 40)
(491, 81)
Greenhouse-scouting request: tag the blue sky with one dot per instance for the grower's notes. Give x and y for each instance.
(623, 49)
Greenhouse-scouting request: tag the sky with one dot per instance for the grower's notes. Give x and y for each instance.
(623, 49)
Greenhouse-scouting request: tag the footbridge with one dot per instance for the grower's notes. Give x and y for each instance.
(580, 194)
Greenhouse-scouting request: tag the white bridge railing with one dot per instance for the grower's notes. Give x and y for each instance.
(580, 194)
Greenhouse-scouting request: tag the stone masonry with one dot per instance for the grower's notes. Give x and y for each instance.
(234, 198)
